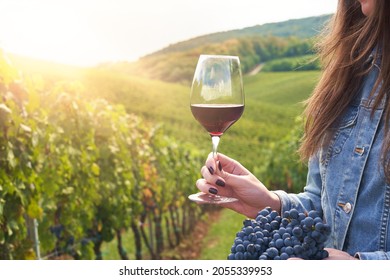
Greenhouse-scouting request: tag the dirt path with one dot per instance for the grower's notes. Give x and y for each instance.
(256, 70)
(191, 247)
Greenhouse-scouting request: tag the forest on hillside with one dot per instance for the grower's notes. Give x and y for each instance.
(254, 45)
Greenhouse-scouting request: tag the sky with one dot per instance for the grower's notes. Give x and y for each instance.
(89, 32)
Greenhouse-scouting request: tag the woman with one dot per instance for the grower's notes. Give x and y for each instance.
(346, 141)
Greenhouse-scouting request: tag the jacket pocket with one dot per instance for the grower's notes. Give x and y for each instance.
(341, 133)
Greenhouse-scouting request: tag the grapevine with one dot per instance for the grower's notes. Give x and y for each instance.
(84, 171)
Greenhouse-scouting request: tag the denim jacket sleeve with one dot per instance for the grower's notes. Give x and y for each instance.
(378, 255)
(310, 198)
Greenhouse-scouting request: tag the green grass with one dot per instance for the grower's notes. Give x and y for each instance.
(110, 251)
(216, 245)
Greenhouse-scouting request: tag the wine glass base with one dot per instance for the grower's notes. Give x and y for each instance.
(205, 198)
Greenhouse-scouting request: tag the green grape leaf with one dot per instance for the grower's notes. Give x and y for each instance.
(34, 210)
(95, 169)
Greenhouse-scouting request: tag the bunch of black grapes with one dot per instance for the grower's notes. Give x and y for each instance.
(274, 237)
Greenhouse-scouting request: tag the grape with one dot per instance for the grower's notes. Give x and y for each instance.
(298, 250)
(313, 214)
(284, 256)
(273, 237)
(277, 236)
(301, 216)
(279, 243)
(249, 230)
(289, 250)
(57, 230)
(247, 223)
(253, 237)
(288, 241)
(240, 248)
(294, 214)
(272, 252)
(263, 257)
(273, 215)
(274, 224)
(239, 256)
(297, 232)
(308, 222)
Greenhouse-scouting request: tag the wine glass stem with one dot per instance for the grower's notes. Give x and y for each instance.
(215, 141)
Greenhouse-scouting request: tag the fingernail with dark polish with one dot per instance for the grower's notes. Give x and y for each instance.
(219, 166)
(213, 191)
(220, 183)
(211, 170)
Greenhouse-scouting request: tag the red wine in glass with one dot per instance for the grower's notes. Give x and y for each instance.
(217, 118)
(216, 102)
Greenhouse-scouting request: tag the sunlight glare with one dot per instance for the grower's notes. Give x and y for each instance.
(89, 32)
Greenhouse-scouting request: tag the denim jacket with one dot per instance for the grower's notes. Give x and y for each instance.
(346, 180)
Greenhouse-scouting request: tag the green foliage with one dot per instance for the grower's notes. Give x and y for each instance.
(179, 66)
(300, 63)
(84, 168)
(282, 168)
(254, 45)
(299, 28)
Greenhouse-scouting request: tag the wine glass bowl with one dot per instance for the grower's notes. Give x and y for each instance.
(217, 102)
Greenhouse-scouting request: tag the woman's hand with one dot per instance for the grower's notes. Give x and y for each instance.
(334, 254)
(225, 176)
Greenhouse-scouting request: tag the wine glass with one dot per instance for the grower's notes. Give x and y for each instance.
(217, 102)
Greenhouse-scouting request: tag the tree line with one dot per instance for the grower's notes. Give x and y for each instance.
(178, 67)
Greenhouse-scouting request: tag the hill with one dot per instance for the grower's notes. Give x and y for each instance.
(254, 45)
(300, 28)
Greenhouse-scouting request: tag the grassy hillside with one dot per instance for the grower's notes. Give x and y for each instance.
(301, 28)
(272, 103)
(254, 45)
(178, 67)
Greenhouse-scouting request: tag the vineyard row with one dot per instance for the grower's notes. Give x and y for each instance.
(85, 171)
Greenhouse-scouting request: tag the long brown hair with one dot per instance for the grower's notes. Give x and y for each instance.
(344, 47)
